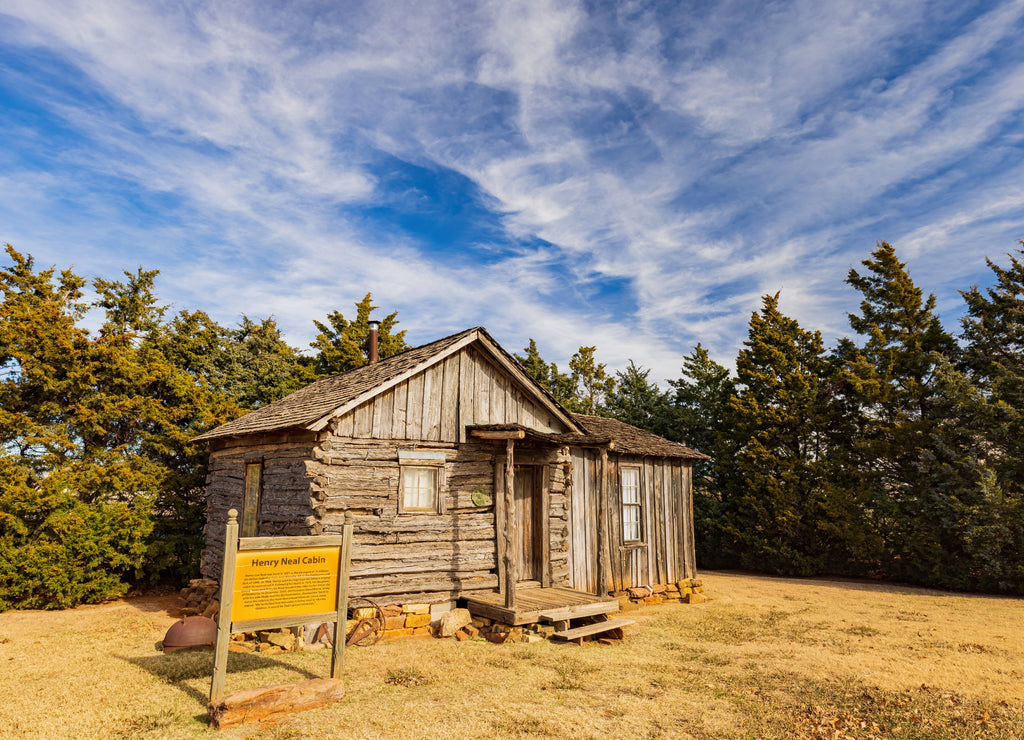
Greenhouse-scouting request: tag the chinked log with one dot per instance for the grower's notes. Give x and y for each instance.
(401, 583)
(424, 551)
(453, 563)
(416, 523)
(414, 538)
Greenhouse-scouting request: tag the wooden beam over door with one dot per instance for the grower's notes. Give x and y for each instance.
(488, 434)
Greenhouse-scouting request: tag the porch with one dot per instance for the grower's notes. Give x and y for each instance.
(536, 604)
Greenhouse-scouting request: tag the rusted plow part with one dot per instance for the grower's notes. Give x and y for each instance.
(364, 629)
(366, 633)
(369, 630)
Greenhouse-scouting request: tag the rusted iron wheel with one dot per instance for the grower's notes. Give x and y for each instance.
(369, 629)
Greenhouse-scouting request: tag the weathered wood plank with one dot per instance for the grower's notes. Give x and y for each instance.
(431, 582)
(482, 401)
(432, 380)
(401, 413)
(593, 629)
(246, 544)
(507, 527)
(387, 415)
(270, 703)
(449, 431)
(467, 389)
(364, 420)
(414, 417)
(545, 526)
(347, 425)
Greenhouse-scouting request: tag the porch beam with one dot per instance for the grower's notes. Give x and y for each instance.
(492, 434)
(508, 529)
(603, 544)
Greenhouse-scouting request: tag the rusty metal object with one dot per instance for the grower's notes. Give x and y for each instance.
(190, 633)
(368, 631)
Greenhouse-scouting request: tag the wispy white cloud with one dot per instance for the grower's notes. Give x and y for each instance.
(659, 168)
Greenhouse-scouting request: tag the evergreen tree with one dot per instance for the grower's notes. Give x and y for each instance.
(698, 417)
(988, 421)
(699, 402)
(782, 507)
(891, 378)
(591, 382)
(343, 345)
(636, 400)
(44, 356)
(993, 332)
(256, 365)
(68, 532)
(558, 384)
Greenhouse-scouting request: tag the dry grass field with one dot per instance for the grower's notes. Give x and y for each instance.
(764, 658)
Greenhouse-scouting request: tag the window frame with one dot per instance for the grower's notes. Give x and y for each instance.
(251, 518)
(434, 461)
(637, 505)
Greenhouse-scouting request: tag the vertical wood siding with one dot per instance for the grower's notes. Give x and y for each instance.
(437, 404)
(666, 553)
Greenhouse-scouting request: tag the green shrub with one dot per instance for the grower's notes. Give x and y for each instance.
(57, 551)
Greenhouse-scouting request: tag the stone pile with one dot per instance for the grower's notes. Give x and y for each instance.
(201, 598)
(271, 642)
(686, 591)
(500, 633)
(400, 621)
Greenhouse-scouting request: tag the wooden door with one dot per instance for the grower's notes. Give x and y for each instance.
(527, 518)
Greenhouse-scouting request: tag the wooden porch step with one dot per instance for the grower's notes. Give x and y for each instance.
(580, 610)
(592, 629)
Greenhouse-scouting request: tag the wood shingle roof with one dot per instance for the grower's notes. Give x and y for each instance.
(634, 441)
(308, 405)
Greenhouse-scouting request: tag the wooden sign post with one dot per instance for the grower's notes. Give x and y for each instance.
(274, 582)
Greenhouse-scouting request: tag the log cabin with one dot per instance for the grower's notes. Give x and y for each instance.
(467, 481)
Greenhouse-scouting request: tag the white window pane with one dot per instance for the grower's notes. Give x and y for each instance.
(630, 486)
(419, 487)
(631, 522)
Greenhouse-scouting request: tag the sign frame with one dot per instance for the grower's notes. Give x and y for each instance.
(233, 544)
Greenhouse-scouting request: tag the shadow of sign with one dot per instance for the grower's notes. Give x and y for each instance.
(181, 668)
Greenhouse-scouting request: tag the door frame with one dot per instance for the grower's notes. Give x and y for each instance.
(538, 555)
(502, 518)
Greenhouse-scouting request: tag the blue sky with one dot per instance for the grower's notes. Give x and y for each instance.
(630, 175)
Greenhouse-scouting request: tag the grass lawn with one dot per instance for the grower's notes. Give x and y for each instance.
(765, 657)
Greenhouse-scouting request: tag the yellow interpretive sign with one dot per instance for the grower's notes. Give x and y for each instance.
(285, 583)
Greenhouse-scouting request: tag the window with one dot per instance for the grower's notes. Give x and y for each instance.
(421, 484)
(419, 488)
(631, 509)
(251, 498)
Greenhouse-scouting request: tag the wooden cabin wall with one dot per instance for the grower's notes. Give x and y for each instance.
(285, 506)
(438, 404)
(396, 557)
(426, 558)
(666, 551)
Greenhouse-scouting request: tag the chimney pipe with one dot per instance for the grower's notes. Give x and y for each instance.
(374, 325)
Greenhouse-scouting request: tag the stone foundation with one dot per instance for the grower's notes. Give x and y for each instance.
(685, 591)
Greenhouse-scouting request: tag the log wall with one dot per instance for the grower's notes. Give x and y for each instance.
(665, 553)
(430, 558)
(285, 505)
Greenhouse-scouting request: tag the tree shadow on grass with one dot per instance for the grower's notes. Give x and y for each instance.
(183, 666)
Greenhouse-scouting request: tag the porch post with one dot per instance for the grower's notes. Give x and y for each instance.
(508, 528)
(603, 545)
